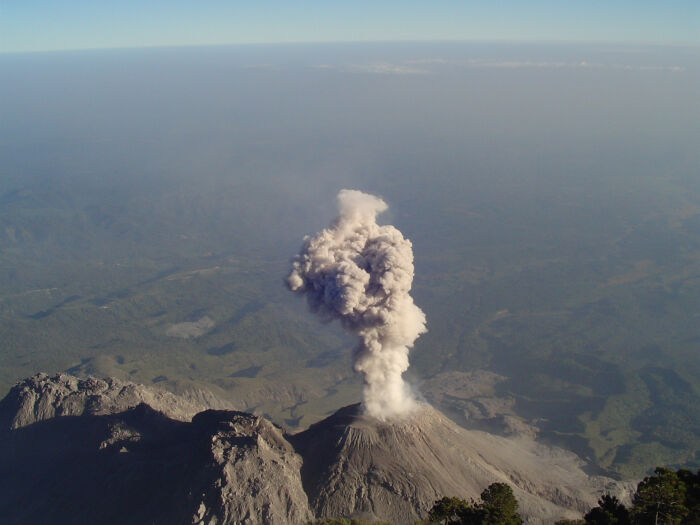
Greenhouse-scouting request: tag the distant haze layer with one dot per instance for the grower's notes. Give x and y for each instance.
(150, 200)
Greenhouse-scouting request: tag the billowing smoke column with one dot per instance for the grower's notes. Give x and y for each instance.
(361, 273)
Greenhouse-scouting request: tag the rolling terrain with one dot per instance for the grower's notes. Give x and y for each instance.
(145, 235)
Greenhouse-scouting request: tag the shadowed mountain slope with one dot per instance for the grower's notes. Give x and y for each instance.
(104, 451)
(137, 465)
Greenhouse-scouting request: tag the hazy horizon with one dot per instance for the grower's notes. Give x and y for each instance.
(72, 24)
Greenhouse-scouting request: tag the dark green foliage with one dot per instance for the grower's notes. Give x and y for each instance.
(447, 510)
(692, 495)
(498, 506)
(608, 512)
(660, 499)
(664, 498)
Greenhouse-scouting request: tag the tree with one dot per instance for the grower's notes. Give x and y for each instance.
(499, 506)
(447, 511)
(608, 512)
(470, 514)
(692, 495)
(659, 499)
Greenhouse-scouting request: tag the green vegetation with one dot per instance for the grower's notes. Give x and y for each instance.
(598, 344)
(498, 506)
(561, 256)
(665, 498)
(608, 512)
(661, 498)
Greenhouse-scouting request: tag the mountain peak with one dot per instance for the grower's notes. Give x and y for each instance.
(115, 452)
(356, 465)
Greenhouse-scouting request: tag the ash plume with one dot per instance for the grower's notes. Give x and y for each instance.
(360, 273)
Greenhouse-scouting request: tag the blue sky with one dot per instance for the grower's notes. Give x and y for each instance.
(37, 25)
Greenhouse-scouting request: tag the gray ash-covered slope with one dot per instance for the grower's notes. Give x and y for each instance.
(105, 451)
(355, 465)
(112, 458)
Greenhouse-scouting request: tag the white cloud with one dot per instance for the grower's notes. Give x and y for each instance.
(386, 68)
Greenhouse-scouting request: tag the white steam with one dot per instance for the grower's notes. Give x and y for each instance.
(361, 273)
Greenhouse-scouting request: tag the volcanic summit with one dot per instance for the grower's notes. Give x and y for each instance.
(75, 450)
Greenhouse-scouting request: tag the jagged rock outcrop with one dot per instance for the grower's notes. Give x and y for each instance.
(106, 461)
(43, 397)
(106, 451)
(355, 465)
(256, 472)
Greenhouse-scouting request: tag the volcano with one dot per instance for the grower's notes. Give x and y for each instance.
(106, 451)
(357, 466)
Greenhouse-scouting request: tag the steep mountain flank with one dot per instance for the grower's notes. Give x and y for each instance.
(355, 465)
(105, 451)
(137, 465)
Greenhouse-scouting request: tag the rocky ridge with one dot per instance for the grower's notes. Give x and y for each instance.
(107, 451)
(104, 451)
(42, 397)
